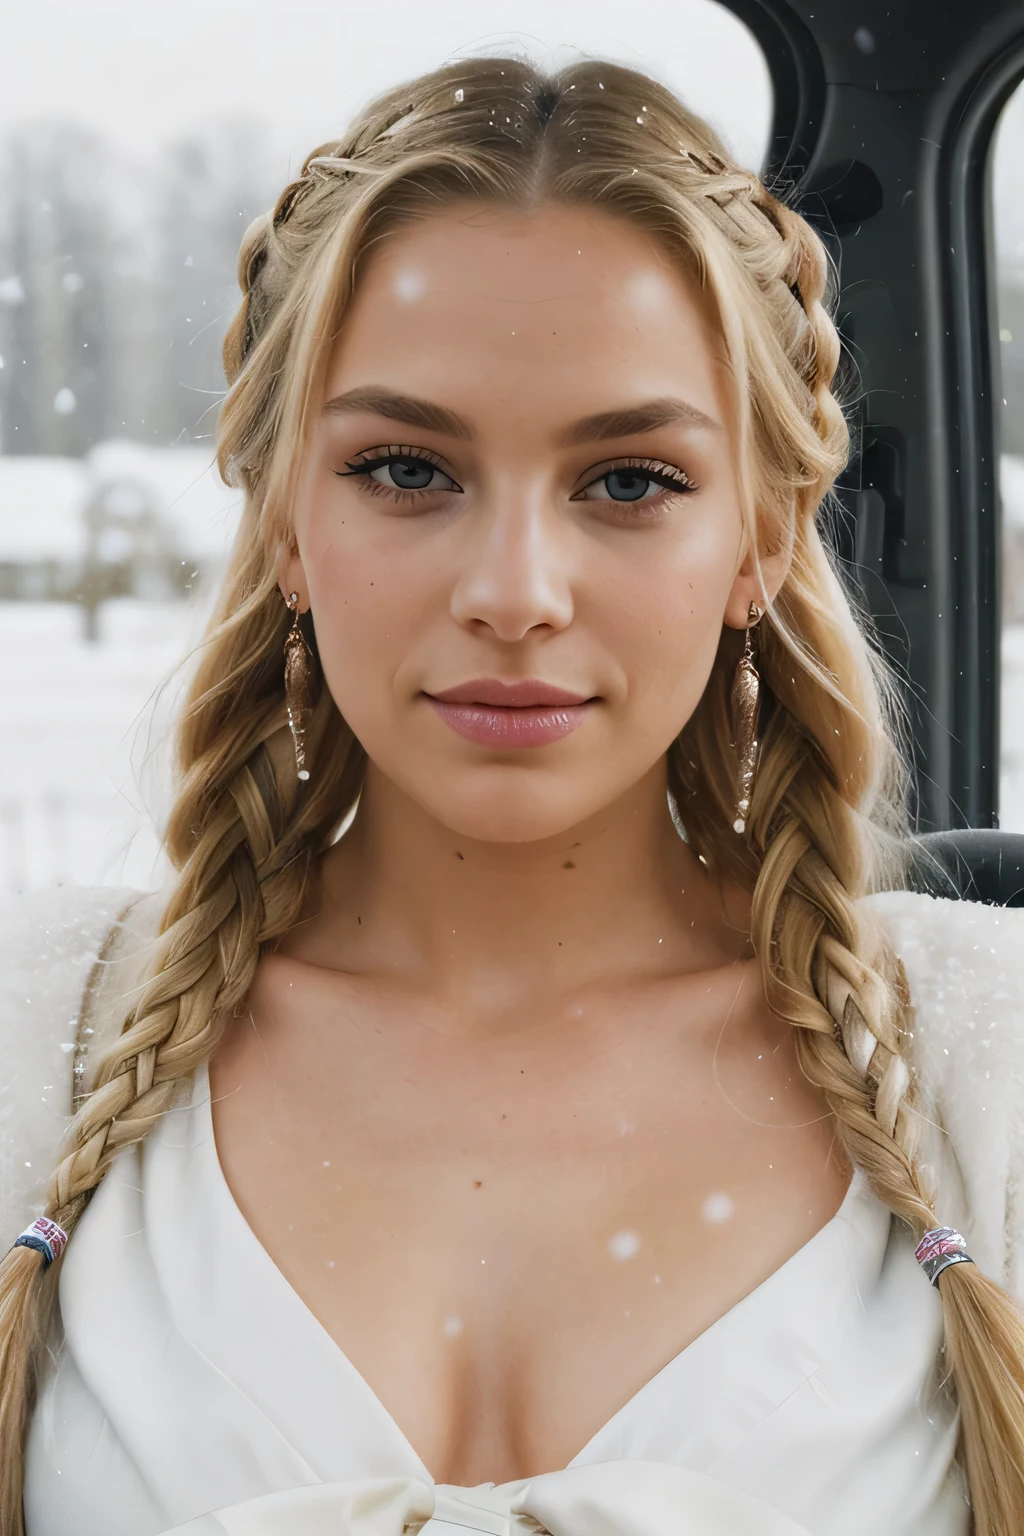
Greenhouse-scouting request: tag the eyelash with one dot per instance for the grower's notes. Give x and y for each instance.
(668, 476)
(376, 458)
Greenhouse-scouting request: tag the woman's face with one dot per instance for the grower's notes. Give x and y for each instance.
(517, 522)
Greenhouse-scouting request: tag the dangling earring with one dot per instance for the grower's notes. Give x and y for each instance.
(298, 691)
(746, 691)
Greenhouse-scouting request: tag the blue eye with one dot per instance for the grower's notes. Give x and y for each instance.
(410, 475)
(408, 472)
(636, 482)
(625, 484)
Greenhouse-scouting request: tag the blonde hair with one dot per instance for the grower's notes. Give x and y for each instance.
(827, 799)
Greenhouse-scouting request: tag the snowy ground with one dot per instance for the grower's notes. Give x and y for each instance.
(84, 725)
(1011, 761)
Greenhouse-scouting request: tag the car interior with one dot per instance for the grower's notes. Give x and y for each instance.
(882, 122)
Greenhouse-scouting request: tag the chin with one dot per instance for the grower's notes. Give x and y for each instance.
(497, 813)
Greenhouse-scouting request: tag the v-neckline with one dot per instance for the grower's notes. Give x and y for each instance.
(231, 1220)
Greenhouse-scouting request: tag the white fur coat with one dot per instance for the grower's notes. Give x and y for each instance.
(964, 962)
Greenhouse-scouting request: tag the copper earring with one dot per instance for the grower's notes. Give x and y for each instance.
(746, 692)
(298, 690)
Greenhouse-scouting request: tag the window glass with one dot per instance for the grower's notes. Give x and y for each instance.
(1008, 215)
(136, 144)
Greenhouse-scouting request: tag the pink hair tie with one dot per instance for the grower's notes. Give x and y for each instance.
(45, 1237)
(940, 1248)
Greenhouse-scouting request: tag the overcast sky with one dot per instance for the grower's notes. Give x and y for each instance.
(143, 70)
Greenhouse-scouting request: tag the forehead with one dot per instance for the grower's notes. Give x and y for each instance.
(550, 312)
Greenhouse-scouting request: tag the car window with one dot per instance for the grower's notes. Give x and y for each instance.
(1008, 230)
(132, 156)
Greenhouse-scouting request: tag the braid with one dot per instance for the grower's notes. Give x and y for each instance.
(820, 976)
(827, 797)
(827, 972)
(828, 804)
(240, 336)
(244, 841)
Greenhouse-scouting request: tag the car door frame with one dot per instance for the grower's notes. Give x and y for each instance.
(881, 136)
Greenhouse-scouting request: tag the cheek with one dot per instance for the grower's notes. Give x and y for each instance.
(370, 608)
(666, 613)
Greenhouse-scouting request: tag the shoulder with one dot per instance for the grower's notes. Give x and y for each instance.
(964, 963)
(51, 944)
(965, 968)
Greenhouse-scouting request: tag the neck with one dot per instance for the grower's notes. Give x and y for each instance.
(490, 923)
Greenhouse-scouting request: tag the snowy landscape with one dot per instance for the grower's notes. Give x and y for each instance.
(85, 753)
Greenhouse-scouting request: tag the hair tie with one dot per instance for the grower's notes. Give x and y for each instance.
(45, 1237)
(940, 1248)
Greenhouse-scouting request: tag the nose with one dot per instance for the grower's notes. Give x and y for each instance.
(515, 573)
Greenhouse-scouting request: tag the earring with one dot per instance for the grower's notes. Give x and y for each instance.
(298, 686)
(746, 691)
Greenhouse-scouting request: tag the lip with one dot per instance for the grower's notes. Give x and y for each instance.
(530, 693)
(494, 713)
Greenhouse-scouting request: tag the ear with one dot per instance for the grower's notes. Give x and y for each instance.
(291, 577)
(758, 582)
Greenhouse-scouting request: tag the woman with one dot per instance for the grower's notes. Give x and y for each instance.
(511, 1162)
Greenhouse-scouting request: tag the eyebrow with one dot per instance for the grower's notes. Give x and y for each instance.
(637, 419)
(628, 422)
(404, 408)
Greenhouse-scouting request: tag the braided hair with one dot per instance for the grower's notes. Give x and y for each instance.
(827, 809)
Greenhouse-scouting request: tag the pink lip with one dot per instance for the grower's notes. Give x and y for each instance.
(527, 694)
(494, 713)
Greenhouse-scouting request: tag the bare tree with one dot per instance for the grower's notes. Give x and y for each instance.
(55, 294)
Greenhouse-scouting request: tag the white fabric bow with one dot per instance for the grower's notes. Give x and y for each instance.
(612, 1498)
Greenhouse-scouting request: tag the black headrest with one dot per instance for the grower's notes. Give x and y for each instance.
(973, 865)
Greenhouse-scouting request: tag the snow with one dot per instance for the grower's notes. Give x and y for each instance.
(40, 509)
(41, 499)
(83, 726)
(1011, 746)
(186, 484)
(717, 1208)
(1011, 490)
(624, 1245)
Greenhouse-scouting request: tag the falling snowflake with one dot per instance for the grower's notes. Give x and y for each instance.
(623, 1245)
(717, 1208)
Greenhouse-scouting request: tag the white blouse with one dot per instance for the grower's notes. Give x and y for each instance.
(196, 1390)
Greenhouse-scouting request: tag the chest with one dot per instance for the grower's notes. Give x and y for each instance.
(509, 1232)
